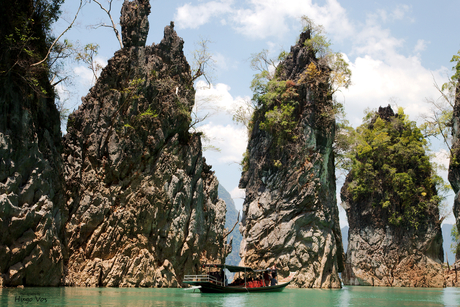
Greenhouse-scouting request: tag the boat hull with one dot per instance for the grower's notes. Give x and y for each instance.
(209, 287)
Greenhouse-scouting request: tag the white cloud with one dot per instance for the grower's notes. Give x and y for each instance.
(264, 18)
(223, 133)
(231, 141)
(400, 12)
(375, 82)
(442, 157)
(215, 99)
(189, 16)
(375, 41)
(420, 46)
(277, 17)
(85, 75)
(380, 73)
(238, 193)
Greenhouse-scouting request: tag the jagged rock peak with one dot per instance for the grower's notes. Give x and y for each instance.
(135, 22)
(299, 58)
(386, 113)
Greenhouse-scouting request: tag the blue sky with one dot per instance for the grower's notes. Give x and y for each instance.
(394, 48)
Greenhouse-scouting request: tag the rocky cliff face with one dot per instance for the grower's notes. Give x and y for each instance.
(454, 166)
(142, 201)
(290, 214)
(32, 210)
(382, 252)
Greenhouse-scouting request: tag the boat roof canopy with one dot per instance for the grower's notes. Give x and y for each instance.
(232, 268)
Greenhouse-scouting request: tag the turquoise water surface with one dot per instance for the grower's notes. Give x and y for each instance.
(137, 297)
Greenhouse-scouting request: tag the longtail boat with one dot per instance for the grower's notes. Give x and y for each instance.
(216, 282)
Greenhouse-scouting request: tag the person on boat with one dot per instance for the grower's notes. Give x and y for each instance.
(266, 278)
(274, 275)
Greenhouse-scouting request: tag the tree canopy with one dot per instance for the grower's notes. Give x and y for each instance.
(390, 168)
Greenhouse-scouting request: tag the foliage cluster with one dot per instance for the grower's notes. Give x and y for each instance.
(279, 100)
(456, 59)
(276, 99)
(391, 169)
(337, 72)
(26, 38)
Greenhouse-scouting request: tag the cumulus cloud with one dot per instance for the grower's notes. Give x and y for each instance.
(377, 83)
(230, 139)
(216, 100)
(238, 193)
(217, 104)
(262, 19)
(190, 16)
(420, 46)
(277, 17)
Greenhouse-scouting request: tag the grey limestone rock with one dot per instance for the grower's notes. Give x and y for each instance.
(143, 205)
(32, 205)
(454, 166)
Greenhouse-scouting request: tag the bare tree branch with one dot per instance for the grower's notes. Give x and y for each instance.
(57, 39)
(114, 26)
(237, 220)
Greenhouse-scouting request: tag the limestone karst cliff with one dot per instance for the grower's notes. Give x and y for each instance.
(454, 166)
(32, 211)
(142, 201)
(391, 202)
(290, 214)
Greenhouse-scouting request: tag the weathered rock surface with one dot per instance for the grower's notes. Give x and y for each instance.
(142, 202)
(290, 214)
(454, 166)
(452, 275)
(134, 22)
(382, 254)
(32, 210)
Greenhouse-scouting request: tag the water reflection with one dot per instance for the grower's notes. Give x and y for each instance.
(451, 297)
(233, 300)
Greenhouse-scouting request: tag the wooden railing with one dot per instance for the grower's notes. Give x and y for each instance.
(203, 278)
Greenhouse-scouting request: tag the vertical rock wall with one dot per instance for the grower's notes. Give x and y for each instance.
(454, 166)
(290, 214)
(32, 209)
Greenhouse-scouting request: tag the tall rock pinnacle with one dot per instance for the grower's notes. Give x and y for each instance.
(290, 213)
(143, 201)
(134, 22)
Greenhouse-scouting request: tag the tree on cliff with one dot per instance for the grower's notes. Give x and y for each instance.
(275, 98)
(25, 39)
(390, 168)
(438, 122)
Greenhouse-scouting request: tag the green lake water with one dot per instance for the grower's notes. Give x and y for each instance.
(138, 297)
